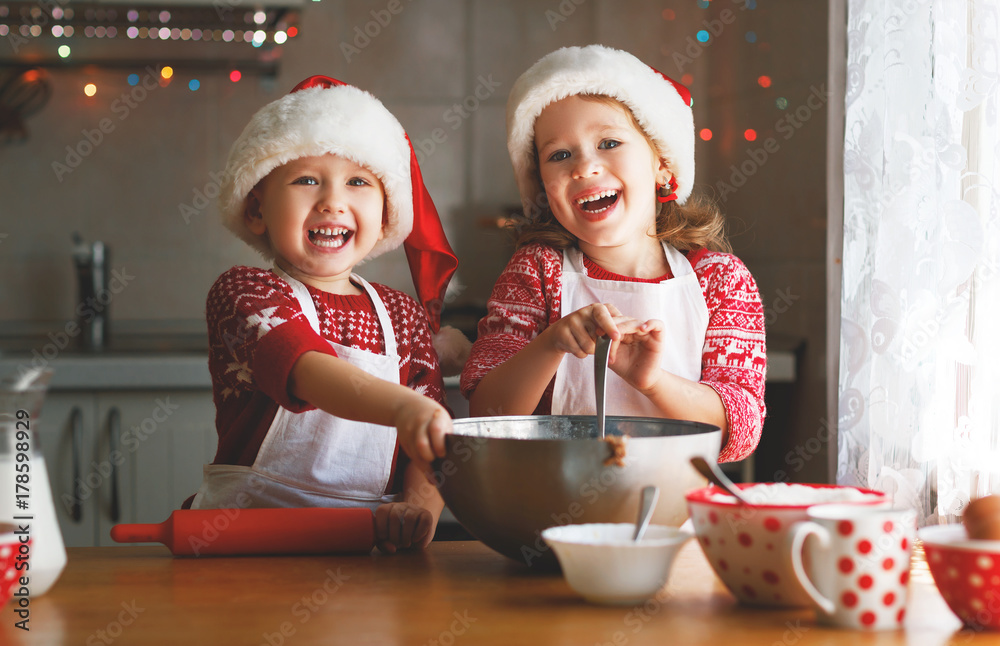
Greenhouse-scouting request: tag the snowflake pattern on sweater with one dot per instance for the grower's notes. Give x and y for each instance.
(257, 331)
(527, 297)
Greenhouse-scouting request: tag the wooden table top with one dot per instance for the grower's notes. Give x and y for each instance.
(452, 593)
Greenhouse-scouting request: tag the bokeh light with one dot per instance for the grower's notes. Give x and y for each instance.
(705, 134)
(750, 134)
(90, 89)
(764, 81)
(235, 76)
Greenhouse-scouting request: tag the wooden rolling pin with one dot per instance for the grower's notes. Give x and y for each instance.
(226, 532)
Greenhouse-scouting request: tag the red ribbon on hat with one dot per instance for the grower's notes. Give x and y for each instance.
(431, 259)
(682, 90)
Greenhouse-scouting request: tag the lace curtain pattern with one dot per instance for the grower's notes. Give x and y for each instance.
(919, 383)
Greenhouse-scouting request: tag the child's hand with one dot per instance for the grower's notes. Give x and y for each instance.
(637, 357)
(401, 525)
(576, 333)
(421, 424)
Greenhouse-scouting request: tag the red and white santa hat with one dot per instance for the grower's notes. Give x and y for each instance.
(660, 105)
(323, 115)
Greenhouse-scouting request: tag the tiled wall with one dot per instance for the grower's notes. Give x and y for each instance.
(432, 55)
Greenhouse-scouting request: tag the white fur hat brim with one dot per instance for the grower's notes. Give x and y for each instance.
(665, 116)
(342, 120)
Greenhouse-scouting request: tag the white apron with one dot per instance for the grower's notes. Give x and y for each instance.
(314, 459)
(677, 301)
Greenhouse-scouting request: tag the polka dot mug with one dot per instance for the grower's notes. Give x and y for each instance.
(857, 565)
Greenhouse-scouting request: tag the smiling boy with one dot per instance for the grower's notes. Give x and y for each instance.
(329, 375)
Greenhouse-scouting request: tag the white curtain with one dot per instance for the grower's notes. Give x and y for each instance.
(919, 379)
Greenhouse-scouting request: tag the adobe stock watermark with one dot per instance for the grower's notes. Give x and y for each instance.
(455, 116)
(637, 618)
(85, 486)
(714, 27)
(590, 492)
(31, 25)
(126, 617)
(781, 303)
(795, 460)
(562, 12)
(786, 126)
(456, 629)
(212, 529)
(364, 34)
(93, 137)
(86, 311)
(224, 8)
(912, 339)
(202, 197)
(306, 607)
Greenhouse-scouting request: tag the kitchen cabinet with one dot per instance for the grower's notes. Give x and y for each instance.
(123, 456)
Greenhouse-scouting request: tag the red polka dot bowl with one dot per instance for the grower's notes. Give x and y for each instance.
(746, 544)
(966, 572)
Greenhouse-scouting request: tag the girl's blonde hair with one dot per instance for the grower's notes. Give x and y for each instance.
(697, 224)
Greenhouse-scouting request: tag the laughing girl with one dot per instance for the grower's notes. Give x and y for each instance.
(613, 244)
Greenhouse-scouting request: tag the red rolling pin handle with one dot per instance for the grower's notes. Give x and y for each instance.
(205, 532)
(142, 533)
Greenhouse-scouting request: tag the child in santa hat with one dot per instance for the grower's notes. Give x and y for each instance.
(319, 376)
(603, 150)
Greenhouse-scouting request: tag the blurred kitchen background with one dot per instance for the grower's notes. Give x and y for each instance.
(110, 148)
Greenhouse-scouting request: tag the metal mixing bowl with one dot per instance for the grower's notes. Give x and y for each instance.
(507, 478)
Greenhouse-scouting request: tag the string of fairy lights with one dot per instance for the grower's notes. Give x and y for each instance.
(704, 36)
(53, 32)
(256, 28)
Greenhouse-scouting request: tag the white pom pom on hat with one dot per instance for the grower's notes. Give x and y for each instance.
(660, 105)
(323, 115)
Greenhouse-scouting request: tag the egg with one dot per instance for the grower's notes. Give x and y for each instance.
(982, 518)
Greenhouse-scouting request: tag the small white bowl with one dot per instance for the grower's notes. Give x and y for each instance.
(602, 563)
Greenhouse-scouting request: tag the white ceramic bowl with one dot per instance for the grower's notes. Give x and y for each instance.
(603, 564)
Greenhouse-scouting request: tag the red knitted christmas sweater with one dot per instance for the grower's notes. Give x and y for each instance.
(526, 299)
(257, 331)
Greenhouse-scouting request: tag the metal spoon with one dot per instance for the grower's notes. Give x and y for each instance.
(650, 495)
(715, 475)
(600, 374)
